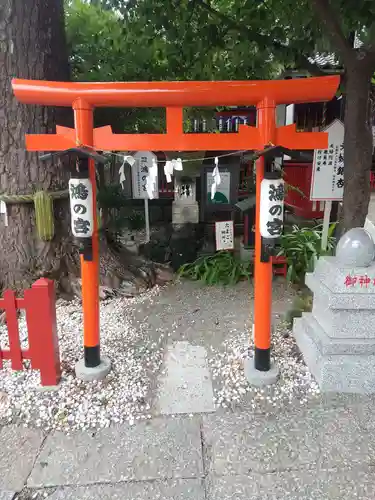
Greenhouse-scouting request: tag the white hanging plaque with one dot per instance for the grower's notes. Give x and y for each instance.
(271, 208)
(4, 210)
(140, 172)
(224, 233)
(81, 207)
(327, 181)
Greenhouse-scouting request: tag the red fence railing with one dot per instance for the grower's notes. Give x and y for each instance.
(39, 303)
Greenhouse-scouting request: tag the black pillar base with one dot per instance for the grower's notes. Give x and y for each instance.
(92, 356)
(262, 359)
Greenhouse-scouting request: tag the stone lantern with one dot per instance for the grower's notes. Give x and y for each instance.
(337, 339)
(185, 208)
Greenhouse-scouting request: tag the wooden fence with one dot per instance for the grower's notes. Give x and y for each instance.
(39, 303)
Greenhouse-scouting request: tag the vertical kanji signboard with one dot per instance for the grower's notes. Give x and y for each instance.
(328, 167)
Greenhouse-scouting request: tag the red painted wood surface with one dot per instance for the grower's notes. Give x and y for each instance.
(39, 303)
(175, 94)
(299, 175)
(279, 266)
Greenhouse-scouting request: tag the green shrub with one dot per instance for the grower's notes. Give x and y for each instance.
(136, 220)
(112, 196)
(301, 247)
(221, 268)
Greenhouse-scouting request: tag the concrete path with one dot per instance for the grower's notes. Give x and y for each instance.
(322, 453)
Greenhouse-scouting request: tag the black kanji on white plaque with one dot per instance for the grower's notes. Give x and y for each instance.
(79, 209)
(82, 226)
(79, 191)
(276, 192)
(275, 226)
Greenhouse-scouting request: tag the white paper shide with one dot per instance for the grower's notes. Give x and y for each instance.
(328, 167)
(224, 233)
(271, 208)
(81, 207)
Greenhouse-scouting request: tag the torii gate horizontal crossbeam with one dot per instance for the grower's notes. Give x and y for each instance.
(165, 94)
(248, 138)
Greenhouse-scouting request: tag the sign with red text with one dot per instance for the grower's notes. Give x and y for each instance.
(360, 281)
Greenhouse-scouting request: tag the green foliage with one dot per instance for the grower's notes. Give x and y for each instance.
(136, 220)
(105, 46)
(112, 196)
(221, 268)
(301, 247)
(112, 199)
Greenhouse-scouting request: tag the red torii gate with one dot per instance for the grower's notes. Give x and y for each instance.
(265, 95)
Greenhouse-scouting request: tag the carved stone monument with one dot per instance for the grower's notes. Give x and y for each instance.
(337, 339)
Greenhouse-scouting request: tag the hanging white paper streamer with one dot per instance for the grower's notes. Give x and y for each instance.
(217, 178)
(178, 164)
(122, 173)
(3, 210)
(168, 170)
(151, 179)
(126, 159)
(170, 166)
(130, 160)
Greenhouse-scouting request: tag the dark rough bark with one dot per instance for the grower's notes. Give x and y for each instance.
(358, 144)
(33, 45)
(32, 39)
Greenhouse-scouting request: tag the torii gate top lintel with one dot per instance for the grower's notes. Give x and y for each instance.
(176, 93)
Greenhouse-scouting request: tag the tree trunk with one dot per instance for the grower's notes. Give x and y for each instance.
(358, 145)
(32, 46)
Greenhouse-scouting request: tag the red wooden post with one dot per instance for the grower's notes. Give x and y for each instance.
(43, 341)
(1, 352)
(10, 307)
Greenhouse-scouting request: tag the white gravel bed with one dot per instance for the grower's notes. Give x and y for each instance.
(123, 396)
(296, 385)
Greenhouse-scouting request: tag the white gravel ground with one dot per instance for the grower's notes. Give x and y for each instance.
(296, 384)
(123, 395)
(134, 335)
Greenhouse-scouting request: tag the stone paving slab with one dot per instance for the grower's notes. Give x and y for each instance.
(243, 443)
(296, 485)
(7, 495)
(185, 489)
(19, 448)
(157, 449)
(186, 386)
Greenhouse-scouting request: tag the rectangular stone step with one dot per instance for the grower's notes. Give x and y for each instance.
(339, 300)
(332, 345)
(347, 373)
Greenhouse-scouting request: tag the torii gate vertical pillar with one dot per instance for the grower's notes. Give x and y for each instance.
(91, 367)
(263, 270)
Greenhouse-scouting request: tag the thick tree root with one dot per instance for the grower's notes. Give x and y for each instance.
(121, 272)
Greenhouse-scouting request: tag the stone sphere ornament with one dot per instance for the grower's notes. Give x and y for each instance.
(355, 248)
